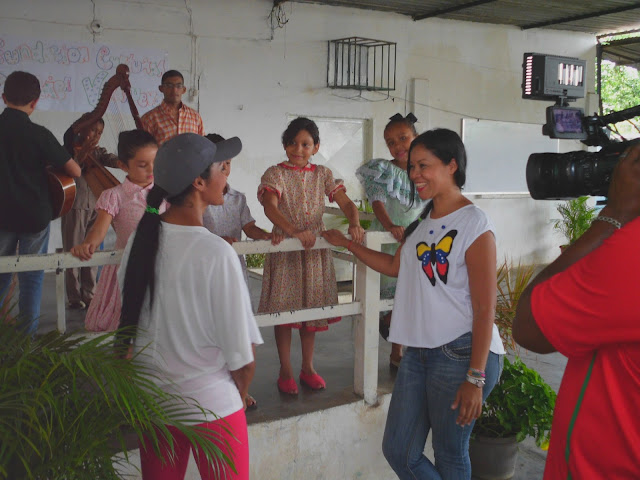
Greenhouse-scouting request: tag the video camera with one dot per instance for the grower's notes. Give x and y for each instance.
(572, 174)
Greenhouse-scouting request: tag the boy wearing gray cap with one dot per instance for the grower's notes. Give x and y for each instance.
(184, 293)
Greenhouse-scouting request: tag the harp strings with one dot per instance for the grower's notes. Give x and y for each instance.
(117, 118)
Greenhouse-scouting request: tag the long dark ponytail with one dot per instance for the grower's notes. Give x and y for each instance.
(140, 269)
(446, 145)
(141, 266)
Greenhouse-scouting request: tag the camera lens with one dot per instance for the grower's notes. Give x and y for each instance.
(569, 175)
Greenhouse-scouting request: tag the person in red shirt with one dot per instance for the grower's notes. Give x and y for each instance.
(172, 117)
(586, 305)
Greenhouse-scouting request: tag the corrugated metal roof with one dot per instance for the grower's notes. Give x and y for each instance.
(599, 17)
(589, 16)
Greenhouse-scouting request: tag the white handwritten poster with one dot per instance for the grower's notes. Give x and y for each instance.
(72, 74)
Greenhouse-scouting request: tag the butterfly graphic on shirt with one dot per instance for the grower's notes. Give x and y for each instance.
(436, 254)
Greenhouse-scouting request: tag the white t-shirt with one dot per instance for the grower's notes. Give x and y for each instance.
(432, 304)
(201, 325)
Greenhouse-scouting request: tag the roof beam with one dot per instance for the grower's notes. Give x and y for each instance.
(599, 13)
(626, 60)
(621, 41)
(455, 8)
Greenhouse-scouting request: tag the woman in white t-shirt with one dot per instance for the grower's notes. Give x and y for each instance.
(443, 312)
(185, 294)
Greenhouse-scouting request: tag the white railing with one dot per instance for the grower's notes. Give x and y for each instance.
(365, 308)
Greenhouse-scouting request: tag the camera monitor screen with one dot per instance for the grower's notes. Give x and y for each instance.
(568, 120)
(564, 122)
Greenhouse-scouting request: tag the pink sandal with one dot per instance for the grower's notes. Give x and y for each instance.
(314, 382)
(288, 386)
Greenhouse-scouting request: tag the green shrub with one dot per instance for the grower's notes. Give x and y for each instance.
(255, 260)
(520, 405)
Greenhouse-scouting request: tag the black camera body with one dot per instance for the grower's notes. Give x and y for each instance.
(573, 174)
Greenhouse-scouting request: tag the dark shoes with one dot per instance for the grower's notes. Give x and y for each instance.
(383, 328)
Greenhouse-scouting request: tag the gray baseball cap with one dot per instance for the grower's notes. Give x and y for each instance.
(183, 158)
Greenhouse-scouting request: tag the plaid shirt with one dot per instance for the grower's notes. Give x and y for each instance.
(161, 122)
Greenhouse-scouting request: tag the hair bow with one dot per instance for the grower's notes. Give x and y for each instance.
(410, 118)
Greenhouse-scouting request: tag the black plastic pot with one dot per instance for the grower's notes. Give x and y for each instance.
(493, 458)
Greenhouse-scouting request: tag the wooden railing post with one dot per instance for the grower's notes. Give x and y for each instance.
(366, 327)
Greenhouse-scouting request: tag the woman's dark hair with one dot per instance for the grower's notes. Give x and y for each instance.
(130, 141)
(141, 267)
(296, 126)
(446, 145)
(408, 121)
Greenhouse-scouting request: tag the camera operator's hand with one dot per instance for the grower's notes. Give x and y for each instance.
(624, 191)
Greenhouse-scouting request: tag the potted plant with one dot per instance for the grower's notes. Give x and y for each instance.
(68, 404)
(521, 404)
(576, 216)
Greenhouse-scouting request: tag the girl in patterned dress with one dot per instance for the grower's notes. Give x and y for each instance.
(292, 194)
(388, 189)
(121, 206)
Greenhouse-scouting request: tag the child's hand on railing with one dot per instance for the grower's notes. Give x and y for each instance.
(84, 251)
(397, 231)
(276, 238)
(357, 233)
(335, 238)
(230, 240)
(306, 237)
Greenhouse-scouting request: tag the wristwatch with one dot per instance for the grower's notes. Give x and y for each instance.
(478, 382)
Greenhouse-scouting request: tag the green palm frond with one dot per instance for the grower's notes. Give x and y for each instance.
(576, 216)
(68, 403)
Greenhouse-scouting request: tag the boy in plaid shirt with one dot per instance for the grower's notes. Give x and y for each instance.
(172, 117)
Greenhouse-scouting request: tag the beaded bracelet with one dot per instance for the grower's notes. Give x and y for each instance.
(349, 245)
(474, 372)
(612, 221)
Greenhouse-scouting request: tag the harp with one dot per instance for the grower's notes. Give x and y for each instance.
(97, 176)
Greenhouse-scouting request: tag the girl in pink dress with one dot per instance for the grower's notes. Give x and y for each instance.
(122, 207)
(292, 194)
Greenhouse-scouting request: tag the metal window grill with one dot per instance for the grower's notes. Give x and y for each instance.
(362, 64)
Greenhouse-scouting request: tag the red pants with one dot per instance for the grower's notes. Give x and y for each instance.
(237, 449)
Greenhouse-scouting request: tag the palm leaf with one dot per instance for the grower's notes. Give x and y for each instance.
(68, 403)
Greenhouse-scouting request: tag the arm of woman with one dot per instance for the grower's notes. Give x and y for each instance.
(380, 211)
(381, 262)
(481, 267)
(351, 212)
(273, 213)
(242, 378)
(94, 238)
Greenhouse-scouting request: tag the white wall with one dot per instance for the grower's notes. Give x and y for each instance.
(342, 442)
(250, 77)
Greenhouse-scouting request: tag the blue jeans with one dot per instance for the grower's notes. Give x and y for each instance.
(426, 386)
(30, 282)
